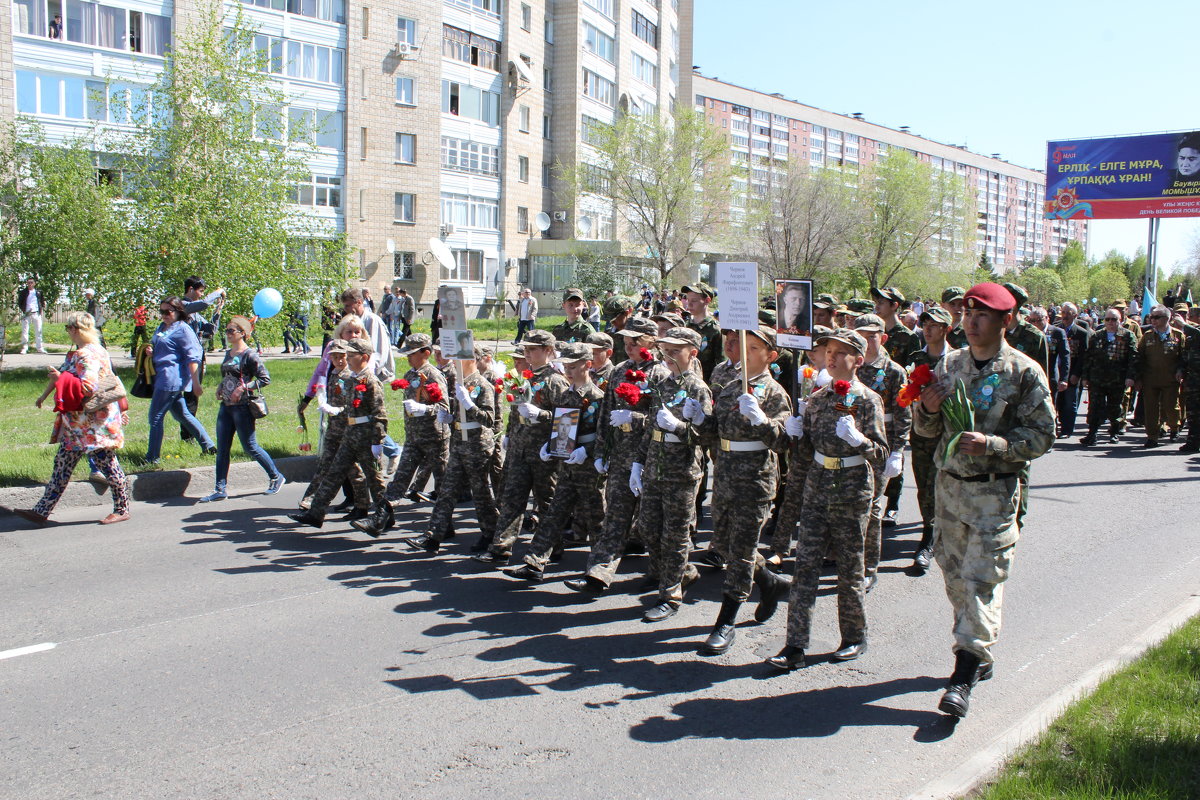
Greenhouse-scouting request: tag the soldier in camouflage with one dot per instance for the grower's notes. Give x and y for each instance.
(617, 310)
(1108, 363)
(332, 398)
(1191, 387)
(823, 306)
(901, 342)
(952, 301)
(841, 444)
(1022, 335)
(978, 490)
(697, 297)
(602, 364)
(574, 328)
(935, 324)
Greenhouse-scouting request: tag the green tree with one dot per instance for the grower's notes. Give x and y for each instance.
(1044, 286)
(1107, 285)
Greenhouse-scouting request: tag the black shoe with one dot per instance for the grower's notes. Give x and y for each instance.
(482, 544)
(1190, 447)
(710, 558)
(524, 572)
(957, 699)
(417, 497)
(556, 556)
(491, 559)
(587, 584)
(849, 651)
(356, 513)
(424, 541)
(788, 659)
(660, 612)
(380, 519)
(306, 518)
(869, 583)
(1114, 438)
(342, 507)
(635, 548)
(571, 539)
(1149, 443)
(1172, 435)
(724, 631)
(922, 560)
(889, 518)
(1088, 440)
(771, 588)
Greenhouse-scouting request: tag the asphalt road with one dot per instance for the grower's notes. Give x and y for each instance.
(216, 652)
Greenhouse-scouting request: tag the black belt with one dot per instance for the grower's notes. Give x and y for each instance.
(984, 478)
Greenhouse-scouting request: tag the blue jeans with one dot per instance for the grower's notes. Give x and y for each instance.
(238, 418)
(390, 448)
(524, 326)
(160, 404)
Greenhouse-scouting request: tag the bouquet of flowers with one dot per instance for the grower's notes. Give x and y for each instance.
(631, 393)
(517, 383)
(959, 413)
(808, 378)
(921, 377)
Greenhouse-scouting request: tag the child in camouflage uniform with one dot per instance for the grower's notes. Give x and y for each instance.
(935, 324)
(842, 444)
(332, 399)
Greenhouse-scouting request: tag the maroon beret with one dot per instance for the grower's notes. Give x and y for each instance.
(992, 296)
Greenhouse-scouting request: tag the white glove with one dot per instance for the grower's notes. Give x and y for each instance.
(444, 417)
(894, 465)
(601, 466)
(464, 397)
(668, 421)
(504, 441)
(415, 409)
(848, 433)
(329, 410)
(377, 450)
(544, 453)
(751, 410)
(558, 367)
(578, 456)
(823, 379)
(794, 426)
(528, 410)
(693, 411)
(635, 479)
(801, 407)
(620, 416)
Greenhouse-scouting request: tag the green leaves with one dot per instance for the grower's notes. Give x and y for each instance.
(959, 413)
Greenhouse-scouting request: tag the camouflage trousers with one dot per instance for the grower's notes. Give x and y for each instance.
(578, 501)
(1106, 402)
(976, 536)
(620, 507)
(358, 482)
(839, 527)
(524, 472)
(1191, 401)
(1162, 408)
(892, 492)
(666, 516)
(873, 544)
(742, 493)
(467, 465)
(925, 474)
(353, 450)
(789, 510)
(430, 450)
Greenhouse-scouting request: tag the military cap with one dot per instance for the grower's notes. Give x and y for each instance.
(539, 338)
(415, 342)
(939, 315)
(700, 287)
(638, 326)
(825, 301)
(483, 351)
(842, 308)
(681, 335)
(767, 334)
(1181, 308)
(519, 351)
(888, 293)
(615, 306)
(1121, 304)
(1019, 294)
(362, 346)
(599, 339)
(767, 317)
(869, 322)
(860, 305)
(675, 320)
(573, 294)
(952, 293)
(847, 337)
(338, 346)
(570, 352)
(992, 296)
(819, 331)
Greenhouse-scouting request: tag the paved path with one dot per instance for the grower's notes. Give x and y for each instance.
(215, 652)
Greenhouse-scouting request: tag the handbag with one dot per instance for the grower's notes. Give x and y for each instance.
(143, 384)
(109, 390)
(257, 405)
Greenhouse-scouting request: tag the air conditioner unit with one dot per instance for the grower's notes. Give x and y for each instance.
(406, 49)
(560, 216)
(448, 230)
(513, 263)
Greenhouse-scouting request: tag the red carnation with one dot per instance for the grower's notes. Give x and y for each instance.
(508, 397)
(921, 377)
(644, 354)
(841, 387)
(357, 402)
(498, 388)
(362, 387)
(635, 375)
(630, 393)
(434, 392)
(527, 374)
(400, 383)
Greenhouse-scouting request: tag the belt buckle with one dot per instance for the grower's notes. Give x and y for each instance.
(626, 427)
(725, 445)
(657, 435)
(831, 463)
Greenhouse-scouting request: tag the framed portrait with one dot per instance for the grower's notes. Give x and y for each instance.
(793, 314)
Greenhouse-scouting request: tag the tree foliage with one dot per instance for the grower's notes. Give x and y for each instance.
(1043, 285)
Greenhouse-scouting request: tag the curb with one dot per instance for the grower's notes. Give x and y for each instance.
(244, 476)
(973, 772)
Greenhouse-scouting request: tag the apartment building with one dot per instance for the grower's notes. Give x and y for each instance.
(432, 118)
(767, 132)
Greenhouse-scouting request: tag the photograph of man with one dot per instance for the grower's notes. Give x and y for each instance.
(1187, 162)
(795, 312)
(452, 308)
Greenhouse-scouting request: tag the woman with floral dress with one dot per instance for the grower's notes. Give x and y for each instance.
(79, 433)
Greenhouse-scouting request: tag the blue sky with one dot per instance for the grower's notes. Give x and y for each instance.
(996, 78)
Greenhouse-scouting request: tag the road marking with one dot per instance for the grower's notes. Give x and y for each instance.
(24, 651)
(984, 763)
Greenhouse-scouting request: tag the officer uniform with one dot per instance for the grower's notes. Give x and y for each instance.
(576, 331)
(1108, 363)
(923, 448)
(426, 441)
(839, 490)
(1157, 364)
(709, 329)
(978, 497)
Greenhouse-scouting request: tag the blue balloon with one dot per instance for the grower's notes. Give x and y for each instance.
(267, 303)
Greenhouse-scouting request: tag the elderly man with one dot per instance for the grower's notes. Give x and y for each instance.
(1108, 365)
(1067, 400)
(383, 360)
(1060, 352)
(1157, 371)
(527, 311)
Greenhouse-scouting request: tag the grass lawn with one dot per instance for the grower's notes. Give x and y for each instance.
(1137, 736)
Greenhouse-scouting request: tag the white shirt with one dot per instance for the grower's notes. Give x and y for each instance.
(31, 303)
(383, 360)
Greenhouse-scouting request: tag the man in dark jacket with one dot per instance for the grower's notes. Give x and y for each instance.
(31, 307)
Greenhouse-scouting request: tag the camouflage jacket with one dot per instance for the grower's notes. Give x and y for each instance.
(922, 356)
(886, 378)
(825, 408)
(727, 421)
(901, 344)
(483, 395)
(546, 391)
(1190, 363)
(576, 331)
(670, 459)
(724, 374)
(588, 399)
(426, 425)
(1109, 362)
(602, 376)
(1013, 408)
(627, 438)
(956, 337)
(364, 404)
(1158, 360)
(711, 351)
(1030, 341)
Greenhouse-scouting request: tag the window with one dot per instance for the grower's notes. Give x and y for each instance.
(406, 30)
(406, 148)
(462, 100)
(406, 208)
(591, 130)
(645, 70)
(523, 169)
(547, 79)
(331, 10)
(461, 155)
(465, 211)
(605, 7)
(645, 30)
(548, 24)
(595, 180)
(404, 266)
(547, 127)
(77, 98)
(100, 25)
(547, 172)
(366, 22)
(523, 119)
(320, 128)
(600, 43)
(526, 17)
(489, 7)
(522, 219)
(599, 88)
(470, 48)
(406, 91)
(315, 62)
(468, 267)
(320, 191)
(362, 144)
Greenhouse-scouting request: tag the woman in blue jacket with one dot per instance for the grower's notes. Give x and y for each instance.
(177, 355)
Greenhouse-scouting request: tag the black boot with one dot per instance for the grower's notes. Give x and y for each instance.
(1090, 438)
(924, 556)
(426, 542)
(957, 699)
(771, 589)
(380, 520)
(723, 632)
(788, 659)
